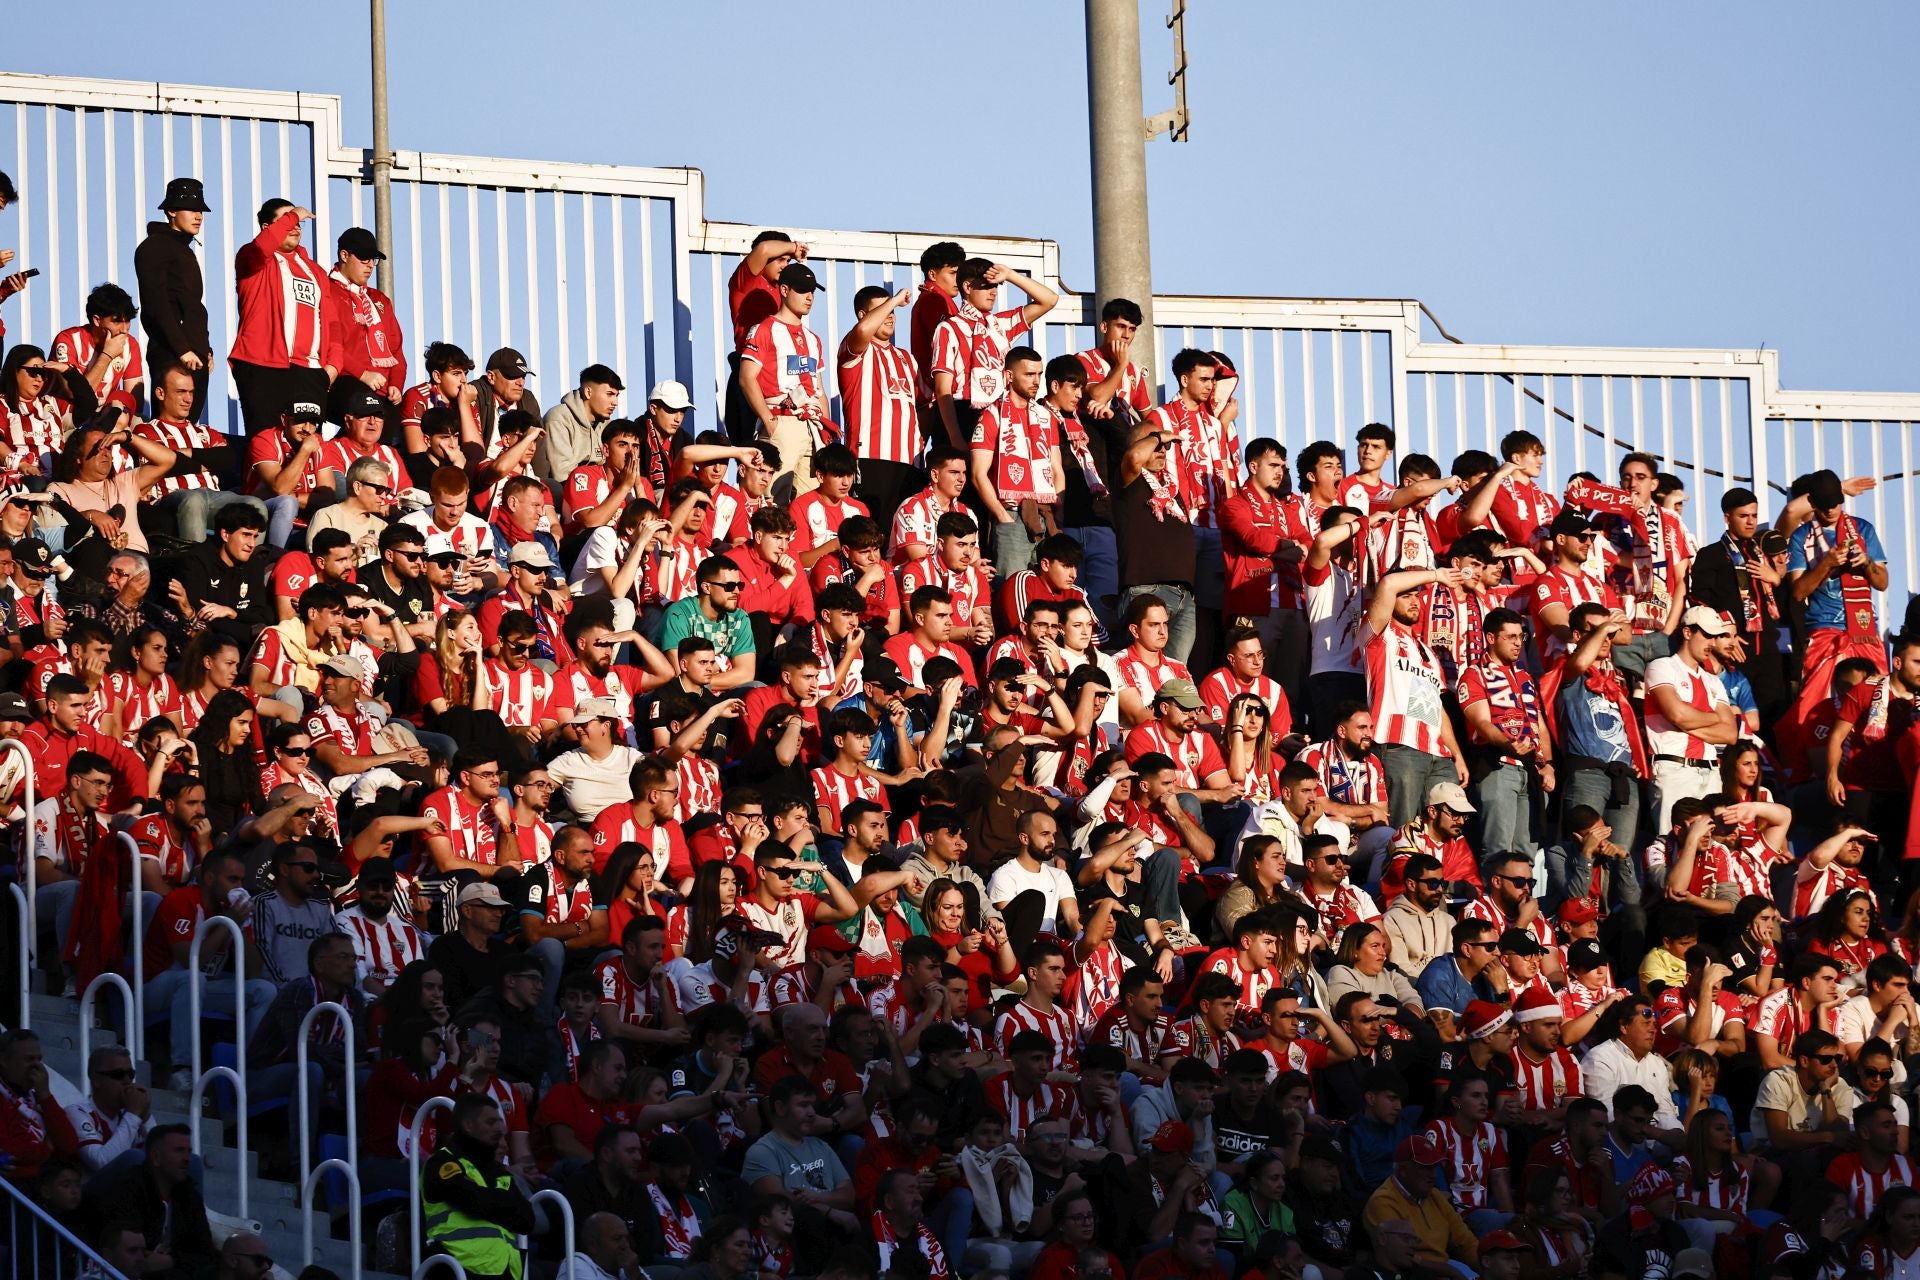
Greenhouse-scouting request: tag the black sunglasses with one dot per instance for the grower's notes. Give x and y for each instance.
(309, 867)
(402, 552)
(358, 612)
(527, 647)
(296, 751)
(785, 873)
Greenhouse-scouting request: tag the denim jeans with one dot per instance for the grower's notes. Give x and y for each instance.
(1506, 818)
(1209, 569)
(282, 511)
(1012, 548)
(1182, 614)
(1644, 648)
(1099, 572)
(170, 990)
(1410, 775)
(193, 510)
(1593, 788)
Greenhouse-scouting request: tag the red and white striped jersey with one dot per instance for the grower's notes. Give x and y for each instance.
(1864, 1187)
(1470, 1158)
(1696, 687)
(1674, 1007)
(1214, 1050)
(1485, 908)
(1346, 780)
(1144, 673)
(1544, 1085)
(77, 347)
(470, 535)
(1166, 1036)
(159, 843)
(474, 829)
(1055, 1023)
(788, 359)
(1578, 998)
(876, 402)
(340, 453)
(817, 521)
(177, 436)
(833, 791)
(351, 732)
(790, 920)
(792, 985)
(615, 825)
(327, 820)
(1134, 389)
(138, 704)
(1094, 988)
(1404, 686)
(638, 1004)
(971, 588)
(1221, 687)
(1571, 589)
(699, 787)
(1305, 1056)
(1194, 754)
(1253, 986)
(1208, 459)
(832, 692)
(1779, 1015)
(1345, 904)
(522, 698)
(894, 1006)
(1728, 1188)
(383, 947)
(1021, 438)
(915, 521)
(1048, 1100)
(556, 901)
(1812, 886)
(574, 684)
(972, 345)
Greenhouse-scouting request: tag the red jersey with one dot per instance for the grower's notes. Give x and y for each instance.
(1253, 526)
(1545, 1084)
(833, 791)
(972, 346)
(912, 658)
(1207, 462)
(274, 447)
(369, 331)
(473, 828)
(1865, 1188)
(77, 347)
(1194, 755)
(915, 521)
(787, 360)
(285, 312)
(1055, 1023)
(817, 521)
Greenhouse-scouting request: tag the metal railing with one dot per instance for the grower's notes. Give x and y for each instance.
(19, 896)
(87, 1001)
(30, 1228)
(414, 1217)
(301, 1090)
(29, 872)
(422, 1269)
(551, 1196)
(138, 946)
(352, 1176)
(196, 1103)
(234, 1075)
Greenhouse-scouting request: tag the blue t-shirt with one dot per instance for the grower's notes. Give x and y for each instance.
(1740, 691)
(1590, 725)
(1825, 610)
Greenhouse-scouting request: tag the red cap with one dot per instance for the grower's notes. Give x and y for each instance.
(1484, 1018)
(824, 937)
(1174, 1135)
(1579, 911)
(1501, 1240)
(1419, 1149)
(1649, 1185)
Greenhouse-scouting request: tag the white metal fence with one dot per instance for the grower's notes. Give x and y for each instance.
(577, 263)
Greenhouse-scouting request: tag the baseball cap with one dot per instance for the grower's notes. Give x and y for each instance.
(799, 277)
(305, 411)
(884, 672)
(1450, 795)
(361, 243)
(1571, 524)
(482, 893)
(378, 871)
(1174, 1135)
(1501, 1241)
(1521, 943)
(1419, 1149)
(671, 1149)
(1584, 954)
(1579, 911)
(1773, 543)
(670, 395)
(439, 544)
(345, 664)
(1319, 1147)
(1180, 693)
(1484, 1017)
(531, 554)
(1688, 1262)
(362, 402)
(1712, 621)
(510, 362)
(185, 193)
(14, 707)
(824, 937)
(591, 709)
(31, 553)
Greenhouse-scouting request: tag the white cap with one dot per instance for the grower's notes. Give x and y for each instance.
(1450, 795)
(594, 709)
(439, 544)
(1712, 621)
(670, 394)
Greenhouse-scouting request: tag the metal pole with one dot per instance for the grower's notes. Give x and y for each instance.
(382, 155)
(1122, 257)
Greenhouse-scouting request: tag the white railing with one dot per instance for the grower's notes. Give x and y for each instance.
(414, 1217)
(301, 1088)
(553, 1197)
(139, 946)
(29, 1226)
(197, 979)
(422, 1269)
(31, 872)
(352, 1175)
(196, 1107)
(88, 999)
(25, 911)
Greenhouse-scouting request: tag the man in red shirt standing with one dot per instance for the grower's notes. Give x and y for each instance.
(372, 350)
(286, 347)
(753, 294)
(939, 298)
(877, 382)
(1521, 508)
(1566, 586)
(1259, 546)
(1413, 734)
(1016, 464)
(783, 379)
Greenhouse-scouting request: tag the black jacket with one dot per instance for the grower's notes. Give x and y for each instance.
(507, 1208)
(243, 587)
(527, 1050)
(173, 306)
(137, 1198)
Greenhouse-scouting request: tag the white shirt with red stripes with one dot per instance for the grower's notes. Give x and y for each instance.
(474, 829)
(1094, 988)
(788, 360)
(1144, 673)
(1470, 1157)
(877, 402)
(972, 346)
(77, 347)
(1728, 1188)
(382, 947)
(1406, 688)
(522, 698)
(1056, 1024)
(178, 436)
(1696, 687)
(1544, 1085)
(833, 791)
(1208, 458)
(138, 704)
(637, 1004)
(1048, 1100)
(1021, 439)
(1864, 1188)
(915, 521)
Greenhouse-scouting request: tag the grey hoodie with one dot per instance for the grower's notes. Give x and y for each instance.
(1155, 1106)
(572, 437)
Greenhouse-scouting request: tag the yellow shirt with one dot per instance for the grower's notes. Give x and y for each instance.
(1661, 965)
(1439, 1226)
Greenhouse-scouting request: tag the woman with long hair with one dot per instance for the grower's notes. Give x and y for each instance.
(1255, 1209)
(980, 949)
(1297, 931)
(1752, 952)
(691, 926)
(1259, 880)
(626, 885)
(417, 991)
(290, 760)
(139, 687)
(413, 1069)
(35, 415)
(1890, 1247)
(1550, 1221)
(1847, 928)
(1249, 748)
(1712, 1180)
(1740, 773)
(1361, 965)
(210, 664)
(223, 741)
(451, 673)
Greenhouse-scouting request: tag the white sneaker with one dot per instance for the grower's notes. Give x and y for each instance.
(1180, 937)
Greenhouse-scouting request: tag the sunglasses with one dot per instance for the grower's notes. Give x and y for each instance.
(1829, 1059)
(21, 503)
(521, 648)
(1876, 1073)
(296, 751)
(384, 490)
(1431, 882)
(309, 867)
(123, 1074)
(34, 370)
(411, 557)
(446, 561)
(785, 873)
(1521, 882)
(357, 613)
(729, 586)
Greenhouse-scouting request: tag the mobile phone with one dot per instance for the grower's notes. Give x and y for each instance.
(30, 273)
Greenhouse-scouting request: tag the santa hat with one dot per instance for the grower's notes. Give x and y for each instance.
(1535, 1004)
(1484, 1018)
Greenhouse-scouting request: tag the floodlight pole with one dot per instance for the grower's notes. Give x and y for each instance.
(382, 154)
(1122, 252)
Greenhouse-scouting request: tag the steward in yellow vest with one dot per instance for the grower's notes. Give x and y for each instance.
(470, 1206)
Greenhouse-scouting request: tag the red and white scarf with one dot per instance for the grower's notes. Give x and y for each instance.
(679, 1225)
(1165, 500)
(884, 1236)
(1856, 592)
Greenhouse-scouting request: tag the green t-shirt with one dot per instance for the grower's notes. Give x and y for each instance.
(732, 635)
(1243, 1225)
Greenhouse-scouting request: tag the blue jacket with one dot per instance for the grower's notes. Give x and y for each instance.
(1443, 986)
(1370, 1147)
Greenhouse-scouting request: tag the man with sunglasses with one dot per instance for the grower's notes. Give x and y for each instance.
(288, 917)
(363, 423)
(366, 496)
(713, 613)
(1804, 1109)
(115, 1119)
(1458, 978)
(520, 693)
(1626, 1057)
(1327, 890)
(1509, 903)
(1417, 923)
(396, 580)
(530, 590)
(1566, 586)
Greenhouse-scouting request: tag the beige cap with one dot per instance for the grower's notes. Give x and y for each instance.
(1450, 795)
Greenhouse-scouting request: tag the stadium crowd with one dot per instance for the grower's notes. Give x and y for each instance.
(1000, 826)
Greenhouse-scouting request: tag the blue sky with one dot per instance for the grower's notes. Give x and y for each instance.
(1620, 174)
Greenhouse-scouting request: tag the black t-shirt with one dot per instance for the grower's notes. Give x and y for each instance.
(1324, 1224)
(465, 971)
(1105, 443)
(1152, 550)
(1237, 1137)
(412, 600)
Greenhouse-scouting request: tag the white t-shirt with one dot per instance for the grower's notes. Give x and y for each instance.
(1333, 614)
(1011, 878)
(601, 551)
(1692, 685)
(1780, 1091)
(1855, 1022)
(592, 786)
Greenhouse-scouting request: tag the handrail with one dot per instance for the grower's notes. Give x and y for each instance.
(32, 873)
(60, 1234)
(438, 1260)
(138, 1042)
(197, 1101)
(196, 978)
(566, 1226)
(427, 1108)
(300, 1049)
(26, 964)
(86, 1025)
(353, 1209)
